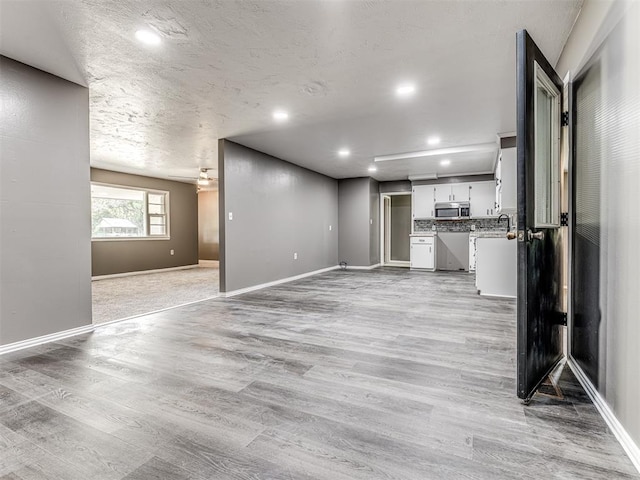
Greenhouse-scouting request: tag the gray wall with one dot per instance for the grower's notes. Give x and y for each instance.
(354, 212)
(278, 208)
(616, 140)
(45, 258)
(400, 227)
(395, 187)
(120, 256)
(208, 226)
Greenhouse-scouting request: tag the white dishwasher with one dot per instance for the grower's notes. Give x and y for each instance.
(423, 253)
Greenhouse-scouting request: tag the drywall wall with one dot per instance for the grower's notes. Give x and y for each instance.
(354, 225)
(586, 35)
(395, 187)
(45, 257)
(400, 227)
(607, 125)
(208, 230)
(277, 209)
(120, 256)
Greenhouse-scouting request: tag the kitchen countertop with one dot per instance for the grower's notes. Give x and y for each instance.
(493, 234)
(473, 233)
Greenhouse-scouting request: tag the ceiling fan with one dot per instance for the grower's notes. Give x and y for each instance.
(203, 179)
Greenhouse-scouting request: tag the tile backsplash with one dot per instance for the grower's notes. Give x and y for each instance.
(481, 224)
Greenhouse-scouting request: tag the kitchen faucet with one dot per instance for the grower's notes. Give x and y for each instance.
(508, 220)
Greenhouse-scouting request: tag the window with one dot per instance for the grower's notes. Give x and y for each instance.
(547, 151)
(127, 212)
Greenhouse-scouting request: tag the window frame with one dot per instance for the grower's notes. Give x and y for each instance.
(147, 215)
(543, 80)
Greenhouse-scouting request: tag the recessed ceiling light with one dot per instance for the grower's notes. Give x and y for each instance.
(372, 168)
(405, 89)
(445, 162)
(433, 140)
(148, 37)
(344, 152)
(280, 116)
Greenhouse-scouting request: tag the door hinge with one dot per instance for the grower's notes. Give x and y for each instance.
(563, 319)
(564, 219)
(564, 119)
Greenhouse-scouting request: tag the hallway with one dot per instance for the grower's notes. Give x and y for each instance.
(345, 375)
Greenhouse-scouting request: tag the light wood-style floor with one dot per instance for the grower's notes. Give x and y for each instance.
(387, 374)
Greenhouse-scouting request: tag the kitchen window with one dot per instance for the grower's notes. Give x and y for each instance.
(128, 213)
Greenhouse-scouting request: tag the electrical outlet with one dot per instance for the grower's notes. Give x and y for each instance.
(230, 215)
(473, 227)
(295, 255)
(172, 251)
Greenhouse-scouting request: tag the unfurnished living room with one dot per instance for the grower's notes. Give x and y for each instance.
(321, 239)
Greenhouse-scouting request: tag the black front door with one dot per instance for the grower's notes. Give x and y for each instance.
(539, 113)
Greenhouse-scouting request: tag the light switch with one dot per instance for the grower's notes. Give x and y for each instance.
(230, 215)
(330, 227)
(295, 255)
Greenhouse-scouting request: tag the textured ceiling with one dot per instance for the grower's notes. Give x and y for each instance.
(224, 66)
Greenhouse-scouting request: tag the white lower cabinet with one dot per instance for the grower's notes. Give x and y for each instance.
(423, 253)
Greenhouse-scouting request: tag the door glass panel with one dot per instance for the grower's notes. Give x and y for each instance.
(547, 151)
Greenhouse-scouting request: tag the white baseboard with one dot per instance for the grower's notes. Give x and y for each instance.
(253, 288)
(143, 272)
(629, 446)
(495, 295)
(365, 267)
(52, 337)
(209, 263)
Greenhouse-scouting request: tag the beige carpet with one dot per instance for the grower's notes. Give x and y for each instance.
(116, 298)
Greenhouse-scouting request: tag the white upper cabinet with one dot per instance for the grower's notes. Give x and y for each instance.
(442, 193)
(482, 198)
(452, 192)
(506, 182)
(422, 201)
(459, 192)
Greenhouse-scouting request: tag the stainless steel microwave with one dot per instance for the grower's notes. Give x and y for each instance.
(452, 210)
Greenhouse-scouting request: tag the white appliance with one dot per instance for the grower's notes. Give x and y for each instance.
(453, 251)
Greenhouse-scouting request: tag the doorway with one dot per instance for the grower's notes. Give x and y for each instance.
(396, 229)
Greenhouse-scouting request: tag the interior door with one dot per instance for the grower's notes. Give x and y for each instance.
(539, 113)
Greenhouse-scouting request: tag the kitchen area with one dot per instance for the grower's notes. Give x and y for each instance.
(467, 224)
